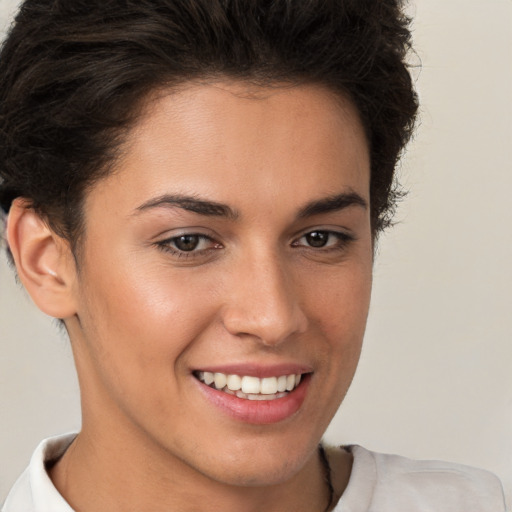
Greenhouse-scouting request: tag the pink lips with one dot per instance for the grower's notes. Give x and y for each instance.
(258, 412)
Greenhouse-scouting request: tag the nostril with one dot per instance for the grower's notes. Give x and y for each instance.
(269, 329)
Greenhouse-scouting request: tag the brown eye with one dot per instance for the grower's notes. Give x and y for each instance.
(317, 238)
(187, 243)
(324, 240)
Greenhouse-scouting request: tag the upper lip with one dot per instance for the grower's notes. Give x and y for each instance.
(257, 370)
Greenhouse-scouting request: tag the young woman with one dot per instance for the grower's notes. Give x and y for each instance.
(194, 188)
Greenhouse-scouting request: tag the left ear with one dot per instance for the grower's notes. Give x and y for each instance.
(44, 261)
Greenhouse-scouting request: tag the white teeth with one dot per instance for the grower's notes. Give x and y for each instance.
(281, 383)
(220, 380)
(268, 386)
(234, 382)
(250, 385)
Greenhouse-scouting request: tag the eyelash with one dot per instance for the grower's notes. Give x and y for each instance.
(343, 240)
(165, 245)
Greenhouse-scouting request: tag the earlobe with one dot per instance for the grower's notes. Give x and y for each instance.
(44, 261)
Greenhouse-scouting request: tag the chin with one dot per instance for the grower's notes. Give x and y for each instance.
(251, 473)
(258, 462)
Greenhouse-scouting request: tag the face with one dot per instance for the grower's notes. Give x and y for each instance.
(231, 243)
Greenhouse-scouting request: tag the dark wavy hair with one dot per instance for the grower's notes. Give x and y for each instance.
(74, 75)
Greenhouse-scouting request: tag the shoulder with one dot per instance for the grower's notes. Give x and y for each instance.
(394, 483)
(19, 497)
(34, 491)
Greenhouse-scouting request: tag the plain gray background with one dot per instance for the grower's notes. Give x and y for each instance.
(435, 378)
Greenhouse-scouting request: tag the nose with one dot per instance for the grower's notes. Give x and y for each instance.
(263, 303)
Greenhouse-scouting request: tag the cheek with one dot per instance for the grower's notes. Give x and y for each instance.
(137, 329)
(135, 320)
(339, 309)
(340, 301)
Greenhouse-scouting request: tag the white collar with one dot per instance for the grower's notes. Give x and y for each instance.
(34, 491)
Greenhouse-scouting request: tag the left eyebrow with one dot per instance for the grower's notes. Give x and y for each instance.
(332, 204)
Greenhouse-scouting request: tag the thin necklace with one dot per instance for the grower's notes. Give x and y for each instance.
(327, 475)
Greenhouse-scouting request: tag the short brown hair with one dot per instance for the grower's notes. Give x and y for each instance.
(73, 72)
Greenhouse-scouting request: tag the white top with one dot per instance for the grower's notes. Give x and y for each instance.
(390, 483)
(378, 483)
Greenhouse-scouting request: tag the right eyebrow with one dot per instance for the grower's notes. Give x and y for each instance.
(191, 204)
(332, 203)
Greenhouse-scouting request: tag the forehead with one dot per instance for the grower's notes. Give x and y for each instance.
(239, 142)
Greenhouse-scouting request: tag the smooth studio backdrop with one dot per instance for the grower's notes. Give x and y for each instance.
(435, 378)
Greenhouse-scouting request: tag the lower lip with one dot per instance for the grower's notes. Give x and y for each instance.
(255, 411)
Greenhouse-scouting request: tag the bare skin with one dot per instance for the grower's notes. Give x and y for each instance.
(234, 232)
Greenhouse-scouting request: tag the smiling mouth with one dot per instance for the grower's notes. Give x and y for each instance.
(248, 387)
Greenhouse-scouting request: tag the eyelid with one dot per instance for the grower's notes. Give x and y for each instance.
(337, 248)
(343, 237)
(341, 233)
(166, 244)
